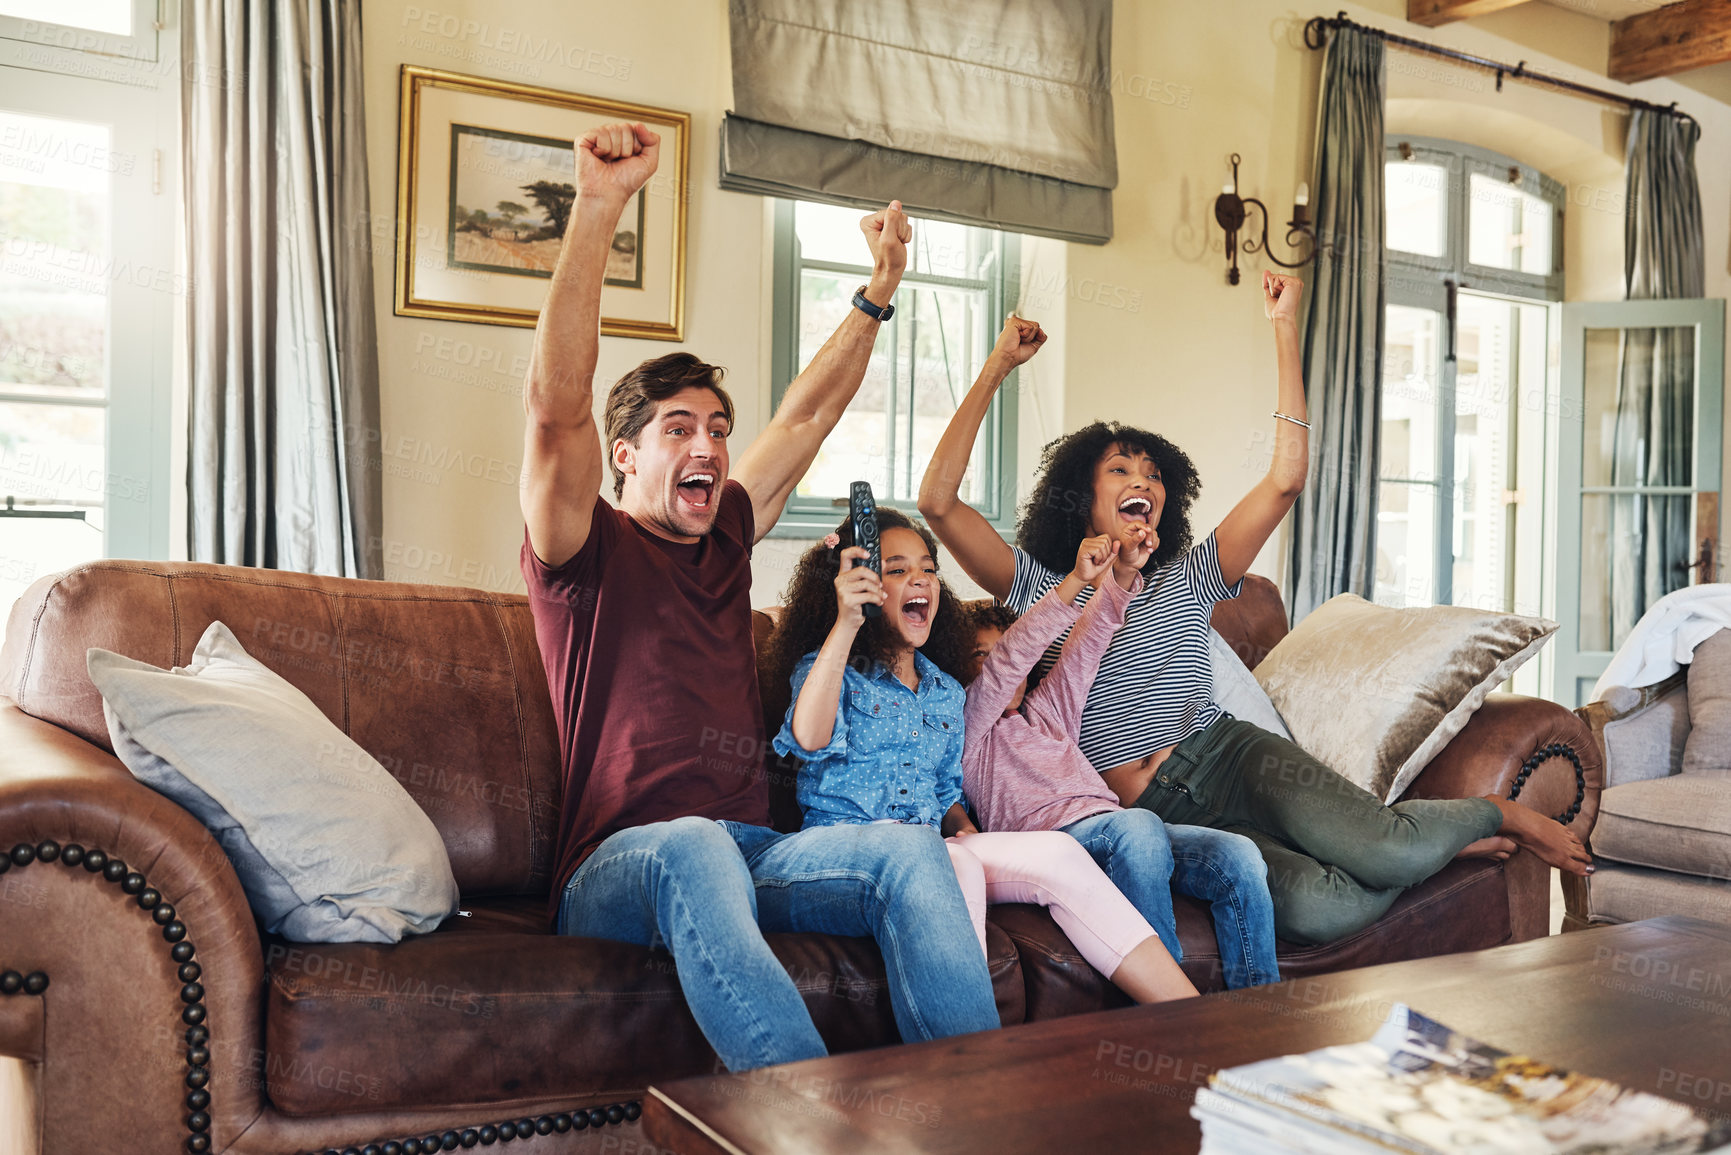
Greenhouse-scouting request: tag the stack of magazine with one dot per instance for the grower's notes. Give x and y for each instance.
(1419, 1087)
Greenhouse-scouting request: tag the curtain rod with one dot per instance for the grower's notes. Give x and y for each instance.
(1316, 36)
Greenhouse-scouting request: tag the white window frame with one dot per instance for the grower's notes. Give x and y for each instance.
(806, 516)
(1423, 282)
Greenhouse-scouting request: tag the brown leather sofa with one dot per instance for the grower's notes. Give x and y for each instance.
(153, 1016)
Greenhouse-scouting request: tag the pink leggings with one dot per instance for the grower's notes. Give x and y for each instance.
(1053, 870)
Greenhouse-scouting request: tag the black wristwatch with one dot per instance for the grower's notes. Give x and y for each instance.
(869, 309)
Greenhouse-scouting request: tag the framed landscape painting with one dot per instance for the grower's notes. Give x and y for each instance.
(485, 185)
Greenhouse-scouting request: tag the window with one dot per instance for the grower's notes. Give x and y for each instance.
(120, 28)
(89, 287)
(959, 284)
(1474, 246)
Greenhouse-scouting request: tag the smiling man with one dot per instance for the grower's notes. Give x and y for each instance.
(643, 615)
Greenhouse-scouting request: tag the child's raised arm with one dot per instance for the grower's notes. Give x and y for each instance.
(1018, 652)
(1058, 700)
(813, 713)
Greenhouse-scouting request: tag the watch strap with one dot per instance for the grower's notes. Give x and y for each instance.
(869, 309)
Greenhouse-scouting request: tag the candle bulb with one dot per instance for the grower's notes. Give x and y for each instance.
(1227, 189)
(1303, 195)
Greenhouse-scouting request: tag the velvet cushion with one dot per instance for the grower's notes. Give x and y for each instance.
(1708, 746)
(1375, 693)
(327, 845)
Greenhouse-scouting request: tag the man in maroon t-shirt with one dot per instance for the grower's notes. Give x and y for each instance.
(643, 615)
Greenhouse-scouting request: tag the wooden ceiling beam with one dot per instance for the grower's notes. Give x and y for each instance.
(1675, 38)
(1433, 13)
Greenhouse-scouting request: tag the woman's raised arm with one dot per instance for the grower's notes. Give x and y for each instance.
(1247, 528)
(982, 554)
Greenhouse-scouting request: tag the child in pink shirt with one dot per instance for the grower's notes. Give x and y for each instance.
(1023, 771)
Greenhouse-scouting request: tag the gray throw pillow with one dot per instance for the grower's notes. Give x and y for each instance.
(1237, 691)
(328, 846)
(1708, 746)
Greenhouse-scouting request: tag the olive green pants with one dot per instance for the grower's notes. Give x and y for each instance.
(1337, 857)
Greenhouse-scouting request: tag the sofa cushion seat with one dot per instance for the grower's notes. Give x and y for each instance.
(497, 1010)
(1680, 823)
(1462, 907)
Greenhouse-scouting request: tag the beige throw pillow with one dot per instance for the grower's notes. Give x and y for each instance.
(1374, 693)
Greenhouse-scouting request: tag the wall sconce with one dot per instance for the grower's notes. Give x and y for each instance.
(1229, 210)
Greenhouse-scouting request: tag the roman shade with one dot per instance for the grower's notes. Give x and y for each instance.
(988, 112)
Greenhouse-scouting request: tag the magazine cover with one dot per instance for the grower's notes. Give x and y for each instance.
(1419, 1086)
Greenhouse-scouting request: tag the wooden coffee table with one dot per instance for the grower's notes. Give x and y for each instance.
(1647, 1004)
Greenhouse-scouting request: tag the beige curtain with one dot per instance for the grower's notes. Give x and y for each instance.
(989, 112)
(283, 349)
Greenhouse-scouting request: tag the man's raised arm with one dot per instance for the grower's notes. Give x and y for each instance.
(561, 446)
(774, 463)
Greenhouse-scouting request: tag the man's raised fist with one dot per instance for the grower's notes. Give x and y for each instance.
(887, 233)
(616, 160)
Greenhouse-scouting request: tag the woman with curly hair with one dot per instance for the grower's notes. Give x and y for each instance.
(1337, 856)
(877, 720)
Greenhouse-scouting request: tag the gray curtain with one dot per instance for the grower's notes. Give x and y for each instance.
(1664, 255)
(284, 397)
(996, 113)
(1334, 521)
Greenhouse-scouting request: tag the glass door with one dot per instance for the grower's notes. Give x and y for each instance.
(1639, 471)
(89, 300)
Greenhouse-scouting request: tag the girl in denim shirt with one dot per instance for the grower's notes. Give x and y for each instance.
(877, 721)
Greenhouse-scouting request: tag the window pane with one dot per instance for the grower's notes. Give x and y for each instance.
(857, 449)
(33, 547)
(1507, 228)
(99, 15)
(831, 233)
(946, 250)
(1406, 497)
(1486, 353)
(54, 237)
(52, 455)
(942, 344)
(1622, 573)
(1405, 544)
(1634, 434)
(1411, 365)
(1417, 207)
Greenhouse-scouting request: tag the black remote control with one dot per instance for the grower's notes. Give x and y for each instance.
(863, 508)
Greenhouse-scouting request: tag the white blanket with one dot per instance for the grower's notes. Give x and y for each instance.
(1664, 640)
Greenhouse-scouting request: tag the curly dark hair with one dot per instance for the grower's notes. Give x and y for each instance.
(1054, 519)
(991, 616)
(808, 612)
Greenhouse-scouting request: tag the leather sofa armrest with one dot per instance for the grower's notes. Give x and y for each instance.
(1536, 751)
(118, 1002)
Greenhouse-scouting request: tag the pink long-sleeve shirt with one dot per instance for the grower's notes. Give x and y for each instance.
(1024, 771)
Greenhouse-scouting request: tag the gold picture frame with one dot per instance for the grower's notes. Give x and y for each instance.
(502, 148)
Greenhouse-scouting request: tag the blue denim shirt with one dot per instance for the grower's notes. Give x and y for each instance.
(895, 753)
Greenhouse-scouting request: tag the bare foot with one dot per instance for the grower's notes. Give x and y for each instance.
(1545, 837)
(1496, 847)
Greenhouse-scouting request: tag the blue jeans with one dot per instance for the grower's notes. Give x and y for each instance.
(1149, 860)
(707, 891)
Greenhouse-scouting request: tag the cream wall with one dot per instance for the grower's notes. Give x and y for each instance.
(1145, 329)
(455, 527)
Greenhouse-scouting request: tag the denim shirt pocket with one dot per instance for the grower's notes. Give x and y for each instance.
(874, 723)
(943, 723)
